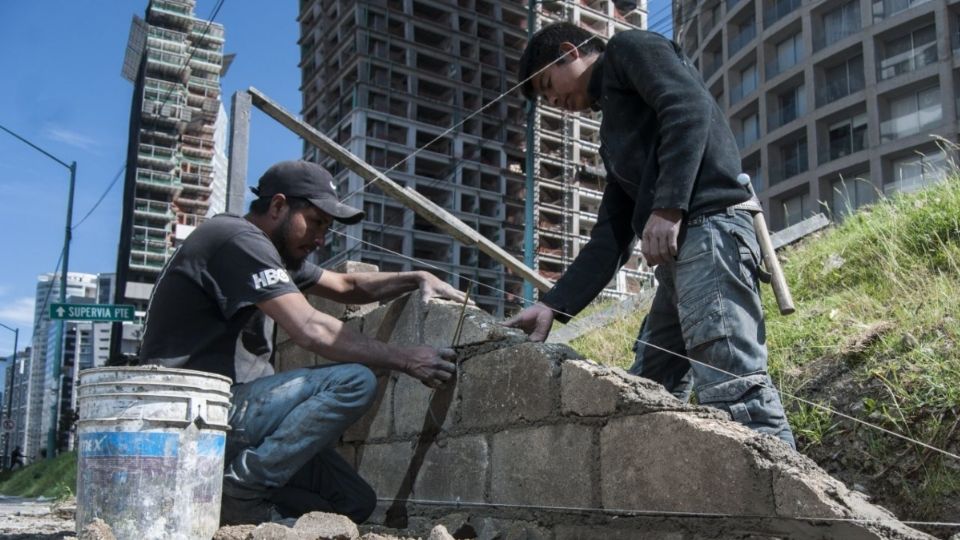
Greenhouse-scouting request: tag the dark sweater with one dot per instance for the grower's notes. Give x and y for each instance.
(665, 144)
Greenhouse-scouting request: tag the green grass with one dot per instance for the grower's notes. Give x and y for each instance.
(875, 336)
(55, 478)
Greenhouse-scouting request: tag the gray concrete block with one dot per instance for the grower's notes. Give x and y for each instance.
(290, 356)
(324, 525)
(375, 424)
(547, 466)
(679, 462)
(454, 469)
(443, 316)
(384, 466)
(589, 389)
(510, 385)
(411, 406)
(408, 328)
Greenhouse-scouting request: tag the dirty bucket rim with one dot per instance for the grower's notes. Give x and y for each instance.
(156, 369)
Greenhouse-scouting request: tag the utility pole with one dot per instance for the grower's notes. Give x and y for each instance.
(68, 233)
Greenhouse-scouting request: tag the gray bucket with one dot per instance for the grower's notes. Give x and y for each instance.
(150, 451)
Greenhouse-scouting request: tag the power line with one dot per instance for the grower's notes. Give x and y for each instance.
(116, 177)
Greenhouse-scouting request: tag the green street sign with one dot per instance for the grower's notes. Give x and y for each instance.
(92, 312)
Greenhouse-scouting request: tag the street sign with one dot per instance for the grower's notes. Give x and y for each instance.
(92, 312)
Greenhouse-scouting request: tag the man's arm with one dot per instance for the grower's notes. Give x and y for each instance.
(325, 335)
(366, 287)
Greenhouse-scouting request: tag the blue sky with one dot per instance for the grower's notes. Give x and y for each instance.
(60, 62)
(63, 91)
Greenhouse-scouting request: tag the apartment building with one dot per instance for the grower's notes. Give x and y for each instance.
(175, 61)
(422, 89)
(834, 102)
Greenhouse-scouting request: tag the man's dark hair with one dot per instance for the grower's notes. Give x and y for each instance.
(259, 206)
(544, 47)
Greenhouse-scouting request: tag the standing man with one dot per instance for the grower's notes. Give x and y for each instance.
(208, 313)
(672, 166)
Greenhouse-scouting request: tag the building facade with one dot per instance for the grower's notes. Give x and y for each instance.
(388, 78)
(834, 103)
(175, 61)
(16, 402)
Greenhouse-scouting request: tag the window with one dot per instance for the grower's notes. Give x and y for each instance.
(749, 131)
(889, 8)
(847, 136)
(913, 172)
(793, 158)
(791, 104)
(851, 192)
(796, 209)
(841, 81)
(839, 23)
(747, 83)
(909, 53)
(910, 114)
(789, 52)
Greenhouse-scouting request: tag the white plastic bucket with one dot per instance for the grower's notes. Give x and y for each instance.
(150, 451)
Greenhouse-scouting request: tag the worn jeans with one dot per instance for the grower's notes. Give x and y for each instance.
(707, 307)
(284, 427)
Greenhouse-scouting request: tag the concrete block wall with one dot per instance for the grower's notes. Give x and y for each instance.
(533, 441)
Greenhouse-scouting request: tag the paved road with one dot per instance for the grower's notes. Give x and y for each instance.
(33, 519)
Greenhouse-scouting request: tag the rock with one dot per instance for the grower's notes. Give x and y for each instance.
(321, 525)
(234, 532)
(273, 531)
(97, 530)
(440, 533)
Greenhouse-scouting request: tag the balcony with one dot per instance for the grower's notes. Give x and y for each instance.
(158, 180)
(839, 88)
(784, 115)
(742, 39)
(147, 208)
(779, 10)
(910, 124)
(740, 91)
(158, 155)
(789, 168)
(883, 9)
(907, 61)
(779, 65)
(165, 62)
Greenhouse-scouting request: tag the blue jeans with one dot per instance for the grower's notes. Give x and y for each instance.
(707, 307)
(287, 425)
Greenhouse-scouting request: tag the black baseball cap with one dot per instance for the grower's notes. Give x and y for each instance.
(306, 180)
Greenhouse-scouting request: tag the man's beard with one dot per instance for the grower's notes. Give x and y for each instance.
(280, 239)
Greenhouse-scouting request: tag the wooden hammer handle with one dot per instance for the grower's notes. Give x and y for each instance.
(777, 281)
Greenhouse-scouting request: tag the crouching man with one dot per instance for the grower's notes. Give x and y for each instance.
(209, 313)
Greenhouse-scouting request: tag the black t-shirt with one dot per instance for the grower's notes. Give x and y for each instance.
(203, 312)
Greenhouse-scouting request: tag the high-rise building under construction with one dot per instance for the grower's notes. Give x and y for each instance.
(175, 61)
(423, 89)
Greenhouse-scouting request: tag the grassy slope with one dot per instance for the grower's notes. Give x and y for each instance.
(55, 478)
(874, 336)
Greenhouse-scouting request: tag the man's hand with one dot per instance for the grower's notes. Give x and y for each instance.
(433, 287)
(535, 321)
(432, 367)
(659, 240)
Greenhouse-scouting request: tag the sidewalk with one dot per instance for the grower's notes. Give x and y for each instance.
(34, 519)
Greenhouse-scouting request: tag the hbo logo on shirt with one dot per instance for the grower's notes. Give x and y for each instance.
(269, 277)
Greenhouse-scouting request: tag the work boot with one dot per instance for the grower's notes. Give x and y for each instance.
(234, 511)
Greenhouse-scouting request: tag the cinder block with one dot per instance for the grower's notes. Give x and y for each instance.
(412, 406)
(384, 466)
(375, 424)
(588, 389)
(343, 311)
(409, 325)
(679, 462)
(443, 316)
(290, 356)
(454, 469)
(546, 466)
(510, 385)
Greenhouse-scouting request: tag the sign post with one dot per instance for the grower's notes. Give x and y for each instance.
(92, 312)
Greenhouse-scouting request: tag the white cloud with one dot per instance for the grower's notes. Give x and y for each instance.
(18, 311)
(72, 138)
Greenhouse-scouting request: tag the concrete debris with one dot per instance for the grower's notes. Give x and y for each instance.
(234, 532)
(323, 526)
(274, 531)
(97, 530)
(440, 533)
